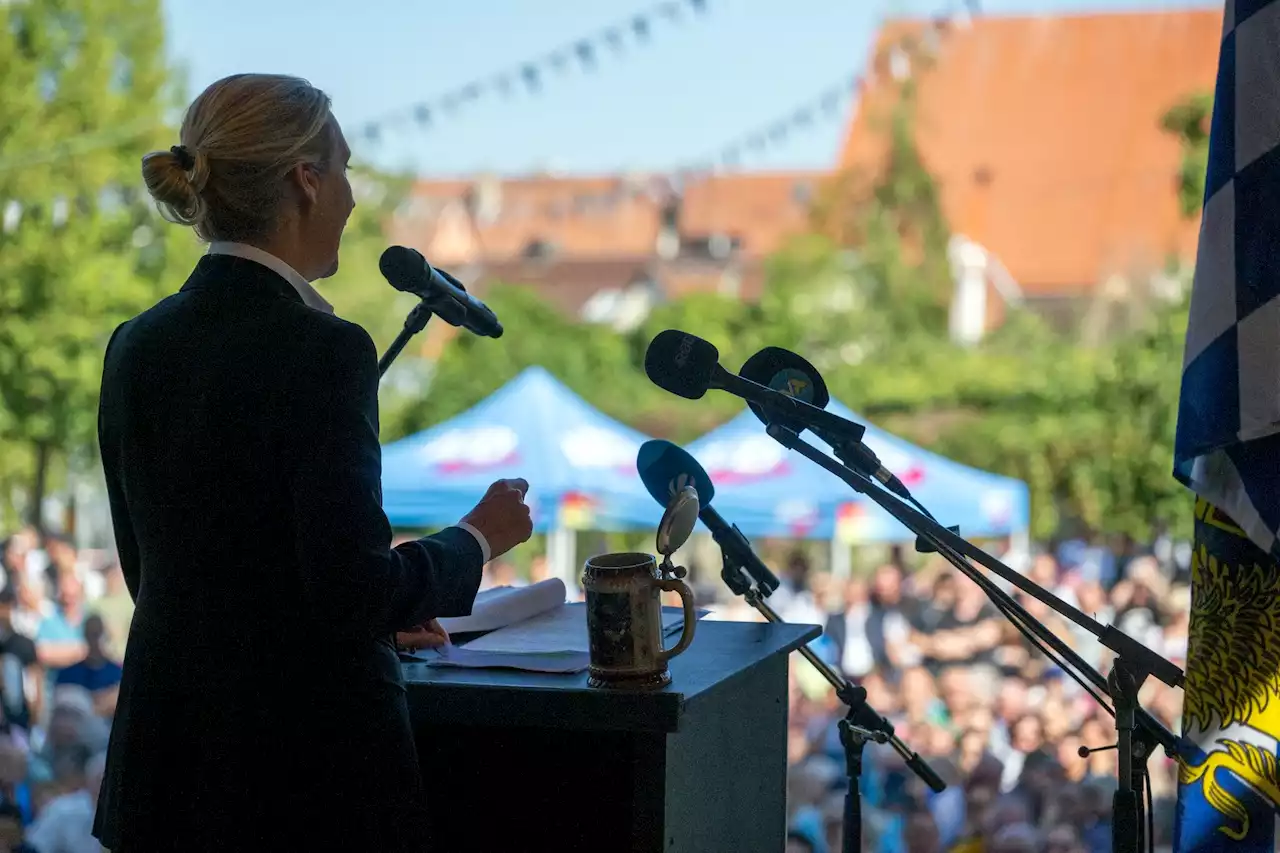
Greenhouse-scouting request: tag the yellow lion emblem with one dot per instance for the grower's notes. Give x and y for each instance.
(1233, 677)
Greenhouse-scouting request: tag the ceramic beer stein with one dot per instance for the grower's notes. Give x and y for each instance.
(624, 606)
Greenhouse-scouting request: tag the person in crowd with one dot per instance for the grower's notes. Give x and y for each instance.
(96, 673)
(60, 637)
(115, 608)
(238, 428)
(13, 831)
(72, 725)
(15, 554)
(847, 629)
(22, 680)
(888, 624)
(32, 606)
(15, 789)
(500, 573)
(65, 824)
(63, 559)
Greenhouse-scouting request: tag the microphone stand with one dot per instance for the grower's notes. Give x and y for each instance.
(414, 323)
(1137, 732)
(860, 724)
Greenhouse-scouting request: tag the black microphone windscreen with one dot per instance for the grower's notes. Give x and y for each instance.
(666, 468)
(787, 373)
(681, 363)
(401, 266)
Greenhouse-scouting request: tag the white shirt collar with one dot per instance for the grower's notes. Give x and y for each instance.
(310, 297)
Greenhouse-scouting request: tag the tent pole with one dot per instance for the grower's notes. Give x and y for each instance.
(841, 558)
(561, 545)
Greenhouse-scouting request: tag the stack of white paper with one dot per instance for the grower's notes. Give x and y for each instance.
(554, 640)
(506, 605)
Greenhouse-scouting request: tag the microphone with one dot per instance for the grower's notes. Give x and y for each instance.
(791, 374)
(665, 469)
(687, 366)
(406, 270)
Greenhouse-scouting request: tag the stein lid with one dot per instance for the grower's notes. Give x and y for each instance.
(678, 521)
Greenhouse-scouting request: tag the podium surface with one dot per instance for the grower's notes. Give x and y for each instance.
(517, 761)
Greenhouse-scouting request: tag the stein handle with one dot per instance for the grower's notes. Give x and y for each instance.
(690, 616)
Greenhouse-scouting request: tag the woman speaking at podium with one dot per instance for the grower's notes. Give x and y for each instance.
(262, 706)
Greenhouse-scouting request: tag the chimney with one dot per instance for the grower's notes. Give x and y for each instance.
(668, 243)
(486, 199)
(968, 320)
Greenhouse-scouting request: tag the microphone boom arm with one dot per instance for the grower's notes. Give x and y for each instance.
(1138, 732)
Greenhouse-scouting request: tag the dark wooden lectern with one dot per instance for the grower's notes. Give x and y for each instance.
(519, 761)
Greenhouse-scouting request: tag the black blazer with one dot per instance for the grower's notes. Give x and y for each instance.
(262, 706)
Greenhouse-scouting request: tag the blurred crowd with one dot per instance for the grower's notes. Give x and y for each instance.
(64, 619)
(999, 722)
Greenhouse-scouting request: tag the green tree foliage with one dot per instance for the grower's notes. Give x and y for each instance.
(1188, 120)
(584, 357)
(83, 91)
(1089, 428)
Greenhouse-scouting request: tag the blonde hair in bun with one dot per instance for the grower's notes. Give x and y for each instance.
(239, 140)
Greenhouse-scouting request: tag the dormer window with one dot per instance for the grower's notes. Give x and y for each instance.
(537, 250)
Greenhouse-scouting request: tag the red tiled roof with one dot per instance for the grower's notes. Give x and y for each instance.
(1044, 135)
(597, 217)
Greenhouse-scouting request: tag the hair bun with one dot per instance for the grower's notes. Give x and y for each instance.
(184, 157)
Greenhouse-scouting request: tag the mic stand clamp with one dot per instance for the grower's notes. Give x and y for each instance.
(1134, 745)
(414, 323)
(853, 738)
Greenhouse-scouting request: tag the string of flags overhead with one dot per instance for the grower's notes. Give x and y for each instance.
(585, 53)
(829, 104)
(532, 75)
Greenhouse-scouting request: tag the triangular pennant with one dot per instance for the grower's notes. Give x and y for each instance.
(613, 37)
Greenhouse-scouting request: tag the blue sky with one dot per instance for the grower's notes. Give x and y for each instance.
(695, 87)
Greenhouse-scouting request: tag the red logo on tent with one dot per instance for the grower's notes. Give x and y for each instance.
(912, 476)
(732, 476)
(463, 451)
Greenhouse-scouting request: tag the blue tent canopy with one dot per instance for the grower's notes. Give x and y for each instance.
(768, 490)
(580, 464)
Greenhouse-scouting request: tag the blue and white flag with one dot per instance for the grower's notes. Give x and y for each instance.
(1228, 452)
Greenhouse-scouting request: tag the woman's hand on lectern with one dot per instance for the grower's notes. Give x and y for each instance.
(502, 516)
(426, 636)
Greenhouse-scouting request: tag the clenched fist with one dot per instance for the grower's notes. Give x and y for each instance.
(502, 516)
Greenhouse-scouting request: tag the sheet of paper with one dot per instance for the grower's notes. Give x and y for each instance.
(562, 629)
(506, 605)
(557, 644)
(551, 662)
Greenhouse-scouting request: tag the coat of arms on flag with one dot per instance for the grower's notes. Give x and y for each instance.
(1228, 452)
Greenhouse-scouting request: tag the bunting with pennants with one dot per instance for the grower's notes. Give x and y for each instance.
(828, 105)
(533, 74)
(586, 53)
